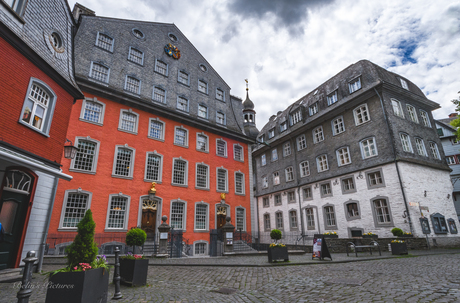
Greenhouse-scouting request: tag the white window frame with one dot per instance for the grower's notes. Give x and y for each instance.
(283, 126)
(412, 113)
(182, 99)
(201, 81)
(362, 147)
(451, 160)
(199, 243)
(207, 176)
(17, 6)
(186, 136)
(338, 126)
(159, 87)
(243, 180)
(295, 117)
(95, 156)
(184, 214)
(48, 108)
(136, 124)
(157, 68)
(265, 182)
(126, 216)
(318, 135)
(225, 190)
(276, 178)
(271, 133)
(179, 78)
(301, 142)
(225, 147)
(185, 184)
(343, 156)
(397, 108)
(235, 147)
(162, 132)
(126, 85)
(363, 116)
(405, 142)
(313, 109)
(435, 151)
(108, 36)
(354, 85)
(64, 206)
(263, 160)
(274, 155)
(100, 120)
(420, 145)
(236, 218)
(332, 98)
(304, 168)
(404, 84)
(223, 94)
(160, 167)
(202, 135)
(130, 56)
(94, 77)
(201, 203)
(289, 171)
(131, 164)
(287, 151)
(221, 118)
(425, 118)
(206, 111)
(321, 163)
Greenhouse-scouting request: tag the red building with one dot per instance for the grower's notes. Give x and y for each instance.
(154, 111)
(37, 91)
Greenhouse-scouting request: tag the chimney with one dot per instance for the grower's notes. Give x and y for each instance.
(453, 115)
(79, 9)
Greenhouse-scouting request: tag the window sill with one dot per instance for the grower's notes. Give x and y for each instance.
(138, 64)
(98, 82)
(91, 122)
(115, 230)
(67, 229)
(157, 139)
(184, 146)
(353, 218)
(204, 93)
(201, 230)
(348, 192)
(331, 227)
(158, 73)
(150, 181)
(187, 85)
(105, 50)
(222, 191)
(122, 177)
(34, 129)
(201, 188)
(238, 160)
(326, 196)
(127, 131)
(240, 194)
(179, 185)
(221, 156)
(82, 171)
(203, 151)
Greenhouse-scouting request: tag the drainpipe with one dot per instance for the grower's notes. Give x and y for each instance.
(48, 220)
(302, 227)
(396, 162)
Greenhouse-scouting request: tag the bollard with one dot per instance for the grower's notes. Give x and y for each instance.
(116, 276)
(25, 292)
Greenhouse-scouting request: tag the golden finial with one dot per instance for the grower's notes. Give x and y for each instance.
(222, 196)
(247, 88)
(152, 189)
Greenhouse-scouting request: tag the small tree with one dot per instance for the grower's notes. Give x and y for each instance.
(275, 234)
(83, 249)
(397, 232)
(456, 123)
(135, 237)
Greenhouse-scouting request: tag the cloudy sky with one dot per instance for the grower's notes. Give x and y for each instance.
(287, 48)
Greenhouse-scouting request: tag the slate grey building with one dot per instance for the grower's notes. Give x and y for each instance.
(358, 154)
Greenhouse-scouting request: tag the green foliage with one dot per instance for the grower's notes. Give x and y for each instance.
(456, 123)
(135, 237)
(83, 249)
(275, 234)
(397, 232)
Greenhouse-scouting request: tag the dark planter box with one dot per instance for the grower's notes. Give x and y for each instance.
(399, 248)
(331, 236)
(134, 272)
(406, 236)
(78, 287)
(278, 253)
(370, 237)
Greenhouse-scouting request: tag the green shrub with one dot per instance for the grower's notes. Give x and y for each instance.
(275, 234)
(135, 237)
(83, 249)
(397, 232)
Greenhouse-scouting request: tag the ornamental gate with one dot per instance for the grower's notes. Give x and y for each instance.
(215, 242)
(175, 243)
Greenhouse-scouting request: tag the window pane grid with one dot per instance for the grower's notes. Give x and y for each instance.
(322, 163)
(179, 172)
(202, 86)
(339, 127)
(375, 178)
(221, 148)
(181, 137)
(361, 115)
(287, 149)
(238, 152)
(117, 212)
(239, 183)
(202, 176)
(220, 118)
(153, 167)
(219, 95)
(240, 219)
(37, 94)
(92, 112)
(159, 94)
(200, 216)
(104, 42)
(161, 67)
(289, 174)
(310, 218)
(202, 111)
(100, 72)
(133, 85)
(75, 209)
(128, 121)
(279, 220)
(182, 104)
(202, 143)
(123, 163)
(382, 211)
(156, 130)
(369, 148)
(136, 55)
(344, 156)
(200, 248)
(85, 155)
(348, 184)
(293, 217)
(304, 169)
(183, 78)
(177, 215)
(221, 180)
(330, 216)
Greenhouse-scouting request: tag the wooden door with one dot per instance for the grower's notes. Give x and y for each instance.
(149, 217)
(220, 221)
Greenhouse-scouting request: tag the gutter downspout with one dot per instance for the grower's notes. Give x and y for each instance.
(302, 227)
(396, 162)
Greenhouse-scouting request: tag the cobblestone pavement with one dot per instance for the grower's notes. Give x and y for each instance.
(424, 278)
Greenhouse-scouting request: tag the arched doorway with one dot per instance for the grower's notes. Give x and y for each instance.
(221, 215)
(149, 217)
(14, 206)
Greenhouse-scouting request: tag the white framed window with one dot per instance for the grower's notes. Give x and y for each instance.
(153, 167)
(220, 118)
(404, 84)
(159, 94)
(136, 56)
(238, 153)
(274, 154)
(313, 109)
(133, 85)
(201, 217)
(240, 218)
(283, 126)
(178, 214)
(375, 179)
(361, 114)
(405, 141)
(289, 174)
(329, 217)
(202, 111)
(451, 160)
(321, 163)
(318, 135)
(220, 95)
(354, 85)
(123, 162)
(310, 216)
(161, 67)
(201, 248)
(202, 176)
(343, 156)
(295, 117)
(104, 41)
(301, 142)
(128, 121)
(338, 126)
(304, 169)
(182, 104)
(412, 113)
(382, 212)
(239, 183)
(263, 160)
(183, 78)
(326, 189)
(17, 5)
(265, 182)
(76, 203)
(222, 179)
(332, 98)
(434, 151)
(420, 145)
(202, 142)
(202, 86)
(276, 178)
(279, 220)
(221, 147)
(287, 149)
(99, 72)
(156, 129)
(180, 172)
(86, 157)
(180, 136)
(348, 185)
(92, 111)
(368, 148)
(425, 118)
(118, 212)
(38, 109)
(271, 133)
(397, 108)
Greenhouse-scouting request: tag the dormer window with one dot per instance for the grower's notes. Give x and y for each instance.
(332, 98)
(354, 85)
(404, 84)
(313, 109)
(295, 117)
(271, 133)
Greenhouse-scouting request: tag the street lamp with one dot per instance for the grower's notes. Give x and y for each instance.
(69, 150)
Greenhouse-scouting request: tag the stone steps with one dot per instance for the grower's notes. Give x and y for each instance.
(10, 275)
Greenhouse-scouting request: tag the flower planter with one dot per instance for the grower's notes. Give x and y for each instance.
(78, 287)
(134, 272)
(331, 236)
(277, 253)
(399, 248)
(370, 236)
(406, 236)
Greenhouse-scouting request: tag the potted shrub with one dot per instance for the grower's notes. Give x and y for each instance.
(134, 268)
(398, 247)
(406, 235)
(370, 235)
(277, 251)
(330, 234)
(86, 277)
(397, 232)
